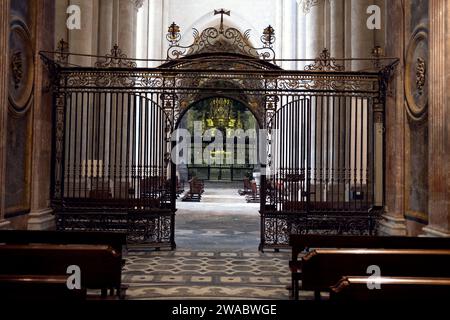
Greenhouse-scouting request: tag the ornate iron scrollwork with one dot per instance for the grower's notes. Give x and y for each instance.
(173, 35)
(116, 84)
(220, 40)
(230, 40)
(62, 55)
(116, 59)
(268, 37)
(325, 63)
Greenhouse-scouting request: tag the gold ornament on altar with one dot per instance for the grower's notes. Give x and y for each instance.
(221, 115)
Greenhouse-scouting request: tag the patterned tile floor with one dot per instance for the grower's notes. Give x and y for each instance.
(206, 275)
(217, 241)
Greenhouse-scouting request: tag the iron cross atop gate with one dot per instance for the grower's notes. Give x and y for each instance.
(222, 12)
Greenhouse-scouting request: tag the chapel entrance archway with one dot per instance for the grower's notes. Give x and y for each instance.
(223, 144)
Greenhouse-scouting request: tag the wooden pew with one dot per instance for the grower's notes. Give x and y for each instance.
(38, 288)
(303, 243)
(247, 187)
(322, 268)
(100, 265)
(196, 189)
(116, 240)
(253, 197)
(392, 289)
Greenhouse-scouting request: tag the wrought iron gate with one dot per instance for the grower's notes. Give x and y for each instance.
(113, 127)
(325, 183)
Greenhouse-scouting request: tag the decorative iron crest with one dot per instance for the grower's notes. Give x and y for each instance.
(220, 40)
(62, 55)
(325, 63)
(116, 59)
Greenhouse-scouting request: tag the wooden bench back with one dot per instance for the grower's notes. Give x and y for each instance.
(38, 288)
(300, 243)
(323, 268)
(351, 289)
(254, 188)
(100, 265)
(114, 239)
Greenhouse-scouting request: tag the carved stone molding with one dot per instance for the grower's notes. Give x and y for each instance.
(416, 75)
(421, 74)
(306, 5)
(21, 68)
(16, 68)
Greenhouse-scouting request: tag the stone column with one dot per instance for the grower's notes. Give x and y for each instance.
(380, 35)
(337, 50)
(61, 31)
(337, 28)
(4, 61)
(289, 34)
(393, 221)
(142, 32)
(81, 41)
(315, 44)
(41, 217)
(126, 21)
(315, 30)
(137, 5)
(362, 38)
(105, 36)
(439, 127)
(301, 38)
(156, 32)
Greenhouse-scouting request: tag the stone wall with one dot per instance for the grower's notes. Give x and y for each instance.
(26, 114)
(417, 166)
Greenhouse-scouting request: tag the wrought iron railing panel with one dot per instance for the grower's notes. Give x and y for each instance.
(113, 127)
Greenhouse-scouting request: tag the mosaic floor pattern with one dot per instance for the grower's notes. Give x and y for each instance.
(206, 275)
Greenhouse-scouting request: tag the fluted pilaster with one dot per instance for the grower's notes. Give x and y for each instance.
(155, 32)
(105, 37)
(315, 30)
(126, 42)
(4, 52)
(301, 37)
(337, 28)
(289, 34)
(439, 126)
(393, 222)
(40, 216)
